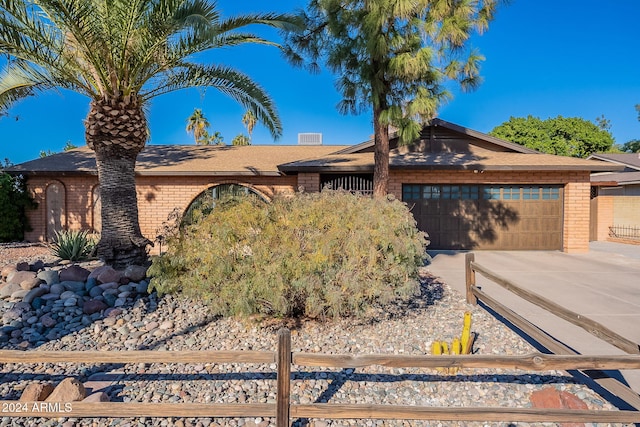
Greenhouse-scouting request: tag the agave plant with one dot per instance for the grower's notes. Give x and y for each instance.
(73, 245)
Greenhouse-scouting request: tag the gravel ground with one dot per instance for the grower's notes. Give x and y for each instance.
(172, 323)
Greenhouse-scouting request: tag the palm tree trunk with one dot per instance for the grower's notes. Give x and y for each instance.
(116, 131)
(380, 156)
(121, 242)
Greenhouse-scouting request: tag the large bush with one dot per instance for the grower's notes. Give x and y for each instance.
(14, 199)
(318, 255)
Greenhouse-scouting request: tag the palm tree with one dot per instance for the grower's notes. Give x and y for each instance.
(249, 120)
(198, 125)
(121, 54)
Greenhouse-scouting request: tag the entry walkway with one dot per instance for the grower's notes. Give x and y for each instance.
(603, 285)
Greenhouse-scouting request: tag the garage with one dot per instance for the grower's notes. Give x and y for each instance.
(497, 217)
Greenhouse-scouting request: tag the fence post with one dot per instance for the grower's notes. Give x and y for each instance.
(470, 278)
(284, 378)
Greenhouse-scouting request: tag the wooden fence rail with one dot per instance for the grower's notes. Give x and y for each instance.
(474, 294)
(283, 410)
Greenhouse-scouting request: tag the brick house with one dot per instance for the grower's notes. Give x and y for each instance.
(615, 202)
(468, 190)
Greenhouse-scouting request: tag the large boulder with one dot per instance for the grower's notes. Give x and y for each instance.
(51, 277)
(74, 273)
(135, 273)
(20, 276)
(30, 283)
(106, 274)
(69, 390)
(36, 392)
(9, 289)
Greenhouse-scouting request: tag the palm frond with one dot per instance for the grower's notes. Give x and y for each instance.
(233, 83)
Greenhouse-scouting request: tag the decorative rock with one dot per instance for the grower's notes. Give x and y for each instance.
(95, 291)
(108, 285)
(142, 287)
(167, 324)
(72, 286)
(36, 392)
(47, 321)
(9, 289)
(49, 276)
(71, 302)
(20, 276)
(110, 299)
(37, 303)
(37, 266)
(112, 312)
(19, 294)
(67, 294)
(33, 294)
(93, 306)
(69, 390)
(30, 283)
(106, 274)
(4, 273)
(91, 283)
(98, 397)
(50, 297)
(135, 272)
(119, 302)
(56, 288)
(22, 266)
(74, 273)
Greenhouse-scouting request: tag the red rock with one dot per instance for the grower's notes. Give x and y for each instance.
(93, 306)
(69, 390)
(107, 274)
(551, 398)
(18, 277)
(74, 273)
(36, 392)
(6, 270)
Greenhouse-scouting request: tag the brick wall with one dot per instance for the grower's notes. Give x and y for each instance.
(309, 182)
(77, 194)
(626, 211)
(576, 193)
(157, 198)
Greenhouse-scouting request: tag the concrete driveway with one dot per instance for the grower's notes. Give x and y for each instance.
(603, 285)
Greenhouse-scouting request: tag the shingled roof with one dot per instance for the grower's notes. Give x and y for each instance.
(183, 160)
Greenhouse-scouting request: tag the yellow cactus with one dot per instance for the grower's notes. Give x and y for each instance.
(456, 346)
(466, 334)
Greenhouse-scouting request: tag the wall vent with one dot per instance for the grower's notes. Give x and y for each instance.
(309, 139)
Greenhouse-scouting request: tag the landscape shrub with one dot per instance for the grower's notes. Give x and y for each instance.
(14, 200)
(331, 254)
(73, 245)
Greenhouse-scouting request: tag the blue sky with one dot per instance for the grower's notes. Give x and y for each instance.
(575, 58)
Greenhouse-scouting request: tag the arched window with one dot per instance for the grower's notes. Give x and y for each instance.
(96, 209)
(206, 201)
(55, 201)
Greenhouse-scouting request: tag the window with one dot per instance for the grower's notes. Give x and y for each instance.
(206, 201)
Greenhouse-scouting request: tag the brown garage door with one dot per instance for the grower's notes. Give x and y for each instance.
(506, 217)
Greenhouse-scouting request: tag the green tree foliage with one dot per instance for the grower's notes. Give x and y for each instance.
(198, 125)
(14, 200)
(67, 146)
(121, 54)
(249, 120)
(570, 136)
(241, 140)
(319, 255)
(632, 146)
(394, 57)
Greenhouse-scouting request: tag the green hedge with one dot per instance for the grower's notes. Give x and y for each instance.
(14, 200)
(331, 254)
